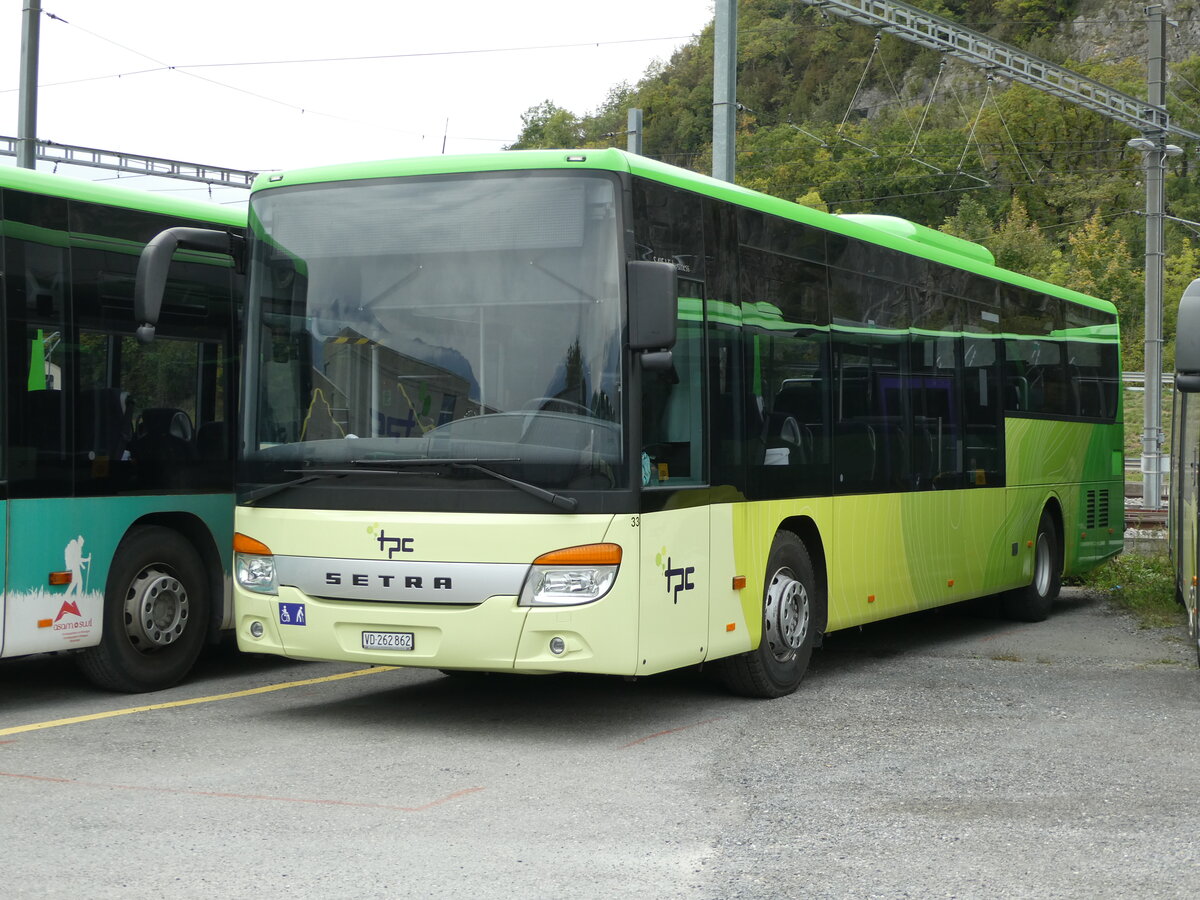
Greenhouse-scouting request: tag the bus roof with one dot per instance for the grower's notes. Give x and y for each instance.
(887, 231)
(126, 198)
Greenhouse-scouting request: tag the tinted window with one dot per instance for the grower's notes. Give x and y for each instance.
(669, 227)
(860, 299)
(871, 411)
(92, 410)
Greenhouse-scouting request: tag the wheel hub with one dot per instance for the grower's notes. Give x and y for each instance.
(786, 615)
(1041, 566)
(156, 609)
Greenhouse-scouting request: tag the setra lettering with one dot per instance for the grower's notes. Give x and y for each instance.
(410, 582)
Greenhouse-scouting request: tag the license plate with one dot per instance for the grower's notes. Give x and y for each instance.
(387, 640)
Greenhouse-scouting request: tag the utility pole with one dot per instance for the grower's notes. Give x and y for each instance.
(1155, 150)
(724, 89)
(27, 118)
(633, 132)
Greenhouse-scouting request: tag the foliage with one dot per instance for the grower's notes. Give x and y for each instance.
(1098, 262)
(1143, 584)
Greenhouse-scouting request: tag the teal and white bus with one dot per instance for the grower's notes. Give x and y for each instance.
(117, 456)
(1184, 501)
(561, 411)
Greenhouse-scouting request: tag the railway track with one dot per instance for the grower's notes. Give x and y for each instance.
(1136, 517)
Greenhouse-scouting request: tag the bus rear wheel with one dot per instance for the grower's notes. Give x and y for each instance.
(1033, 602)
(789, 612)
(1194, 627)
(156, 610)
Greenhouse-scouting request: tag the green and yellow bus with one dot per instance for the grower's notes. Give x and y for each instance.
(117, 457)
(559, 411)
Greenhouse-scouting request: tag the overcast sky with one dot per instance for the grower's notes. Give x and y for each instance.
(270, 84)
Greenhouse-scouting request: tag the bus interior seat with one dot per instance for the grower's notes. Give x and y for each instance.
(855, 453)
(164, 433)
(798, 405)
(893, 451)
(104, 422)
(1018, 393)
(785, 434)
(212, 440)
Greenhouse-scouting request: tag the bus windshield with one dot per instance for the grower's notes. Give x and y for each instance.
(452, 319)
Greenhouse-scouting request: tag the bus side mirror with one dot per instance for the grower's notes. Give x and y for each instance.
(155, 263)
(1187, 340)
(653, 307)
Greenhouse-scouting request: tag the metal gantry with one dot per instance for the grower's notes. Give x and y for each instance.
(920, 27)
(118, 161)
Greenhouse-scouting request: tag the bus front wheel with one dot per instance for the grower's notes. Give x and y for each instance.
(1033, 602)
(156, 608)
(789, 611)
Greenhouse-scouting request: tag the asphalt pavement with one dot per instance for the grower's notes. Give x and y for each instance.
(946, 754)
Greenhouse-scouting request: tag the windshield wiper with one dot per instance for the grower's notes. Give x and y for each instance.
(309, 476)
(478, 465)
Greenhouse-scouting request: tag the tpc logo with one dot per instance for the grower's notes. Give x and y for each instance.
(671, 573)
(393, 545)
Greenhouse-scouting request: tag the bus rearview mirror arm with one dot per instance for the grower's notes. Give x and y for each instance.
(657, 361)
(1188, 383)
(155, 264)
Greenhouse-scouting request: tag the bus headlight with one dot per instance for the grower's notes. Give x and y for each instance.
(254, 565)
(572, 576)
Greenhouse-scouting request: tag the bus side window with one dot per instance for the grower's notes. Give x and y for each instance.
(672, 411)
(36, 280)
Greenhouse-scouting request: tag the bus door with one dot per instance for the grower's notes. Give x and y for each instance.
(674, 529)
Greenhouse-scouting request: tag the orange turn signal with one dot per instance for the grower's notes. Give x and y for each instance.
(60, 578)
(585, 555)
(244, 544)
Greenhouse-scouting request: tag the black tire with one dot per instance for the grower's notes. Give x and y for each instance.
(156, 612)
(1194, 627)
(790, 614)
(1033, 602)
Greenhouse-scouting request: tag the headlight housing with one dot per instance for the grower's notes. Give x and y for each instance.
(572, 576)
(254, 565)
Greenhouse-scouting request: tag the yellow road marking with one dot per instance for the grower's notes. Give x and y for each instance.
(37, 726)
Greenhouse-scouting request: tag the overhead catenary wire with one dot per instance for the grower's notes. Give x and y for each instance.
(188, 69)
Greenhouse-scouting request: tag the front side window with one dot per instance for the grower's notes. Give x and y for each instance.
(452, 322)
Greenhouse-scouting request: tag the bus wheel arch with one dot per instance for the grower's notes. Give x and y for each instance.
(197, 533)
(805, 529)
(157, 603)
(1033, 602)
(793, 615)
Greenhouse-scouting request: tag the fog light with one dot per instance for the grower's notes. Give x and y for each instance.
(256, 629)
(557, 646)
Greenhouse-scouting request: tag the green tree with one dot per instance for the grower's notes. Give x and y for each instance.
(1019, 244)
(971, 222)
(1098, 262)
(547, 125)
